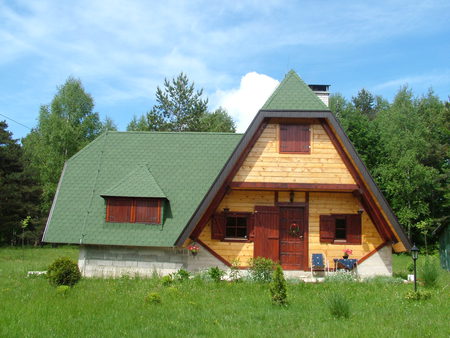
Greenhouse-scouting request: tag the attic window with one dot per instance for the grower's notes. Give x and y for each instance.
(133, 210)
(295, 138)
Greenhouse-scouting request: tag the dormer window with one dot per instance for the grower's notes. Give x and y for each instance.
(295, 139)
(133, 210)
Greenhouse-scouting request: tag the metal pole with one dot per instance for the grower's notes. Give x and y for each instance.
(415, 277)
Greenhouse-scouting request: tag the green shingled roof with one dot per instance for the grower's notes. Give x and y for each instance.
(182, 165)
(138, 183)
(294, 94)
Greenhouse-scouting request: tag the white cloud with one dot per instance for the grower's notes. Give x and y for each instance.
(244, 102)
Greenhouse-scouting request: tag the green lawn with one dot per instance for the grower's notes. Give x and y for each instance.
(30, 307)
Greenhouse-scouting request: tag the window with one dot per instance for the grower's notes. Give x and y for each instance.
(236, 227)
(232, 226)
(133, 210)
(340, 229)
(340, 232)
(295, 138)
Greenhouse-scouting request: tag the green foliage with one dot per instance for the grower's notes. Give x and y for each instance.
(63, 271)
(19, 197)
(153, 298)
(167, 280)
(410, 267)
(419, 295)
(235, 272)
(216, 274)
(383, 280)
(260, 269)
(180, 107)
(65, 126)
(62, 289)
(181, 275)
(429, 272)
(338, 305)
(278, 289)
(341, 277)
(400, 274)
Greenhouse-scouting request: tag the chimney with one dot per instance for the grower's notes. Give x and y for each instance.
(322, 91)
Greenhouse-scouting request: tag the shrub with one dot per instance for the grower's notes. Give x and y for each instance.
(410, 267)
(62, 289)
(153, 298)
(429, 273)
(384, 280)
(181, 275)
(235, 273)
(338, 305)
(400, 274)
(216, 274)
(63, 271)
(419, 295)
(260, 269)
(278, 289)
(167, 280)
(341, 277)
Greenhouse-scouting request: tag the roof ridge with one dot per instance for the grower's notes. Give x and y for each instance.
(174, 132)
(295, 95)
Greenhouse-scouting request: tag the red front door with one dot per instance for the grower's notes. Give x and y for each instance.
(293, 239)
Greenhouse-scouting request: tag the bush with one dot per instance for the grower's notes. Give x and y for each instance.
(341, 277)
(429, 273)
(419, 295)
(410, 267)
(278, 289)
(62, 289)
(338, 305)
(167, 280)
(63, 271)
(384, 280)
(235, 273)
(216, 274)
(261, 269)
(181, 275)
(153, 298)
(400, 274)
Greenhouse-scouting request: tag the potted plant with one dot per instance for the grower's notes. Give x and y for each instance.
(193, 249)
(347, 252)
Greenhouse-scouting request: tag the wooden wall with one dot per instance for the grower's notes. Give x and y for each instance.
(319, 204)
(265, 164)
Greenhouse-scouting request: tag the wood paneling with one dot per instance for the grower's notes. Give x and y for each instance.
(339, 203)
(264, 163)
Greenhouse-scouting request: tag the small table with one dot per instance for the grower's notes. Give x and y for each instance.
(347, 264)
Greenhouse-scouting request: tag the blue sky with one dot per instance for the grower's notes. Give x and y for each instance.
(235, 50)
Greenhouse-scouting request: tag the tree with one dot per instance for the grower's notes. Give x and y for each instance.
(179, 106)
(19, 194)
(217, 121)
(108, 124)
(64, 127)
(364, 102)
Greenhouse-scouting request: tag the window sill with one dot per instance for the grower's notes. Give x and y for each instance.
(239, 240)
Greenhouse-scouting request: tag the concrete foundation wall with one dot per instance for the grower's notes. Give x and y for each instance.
(379, 264)
(115, 261)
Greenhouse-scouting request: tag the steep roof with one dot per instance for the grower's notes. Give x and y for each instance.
(294, 94)
(138, 183)
(178, 166)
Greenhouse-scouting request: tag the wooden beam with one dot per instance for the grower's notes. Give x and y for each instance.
(378, 248)
(293, 186)
(212, 252)
(369, 204)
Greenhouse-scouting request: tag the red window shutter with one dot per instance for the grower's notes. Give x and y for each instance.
(218, 226)
(119, 210)
(251, 227)
(294, 138)
(327, 229)
(354, 229)
(148, 211)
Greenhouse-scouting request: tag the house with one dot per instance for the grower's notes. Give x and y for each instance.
(291, 186)
(443, 231)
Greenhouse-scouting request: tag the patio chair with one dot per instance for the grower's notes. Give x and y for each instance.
(319, 262)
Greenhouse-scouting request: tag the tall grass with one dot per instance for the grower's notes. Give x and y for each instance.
(338, 305)
(30, 307)
(429, 272)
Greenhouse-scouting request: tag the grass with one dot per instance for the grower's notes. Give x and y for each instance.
(30, 307)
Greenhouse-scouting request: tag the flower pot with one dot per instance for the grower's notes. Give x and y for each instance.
(194, 253)
(345, 256)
